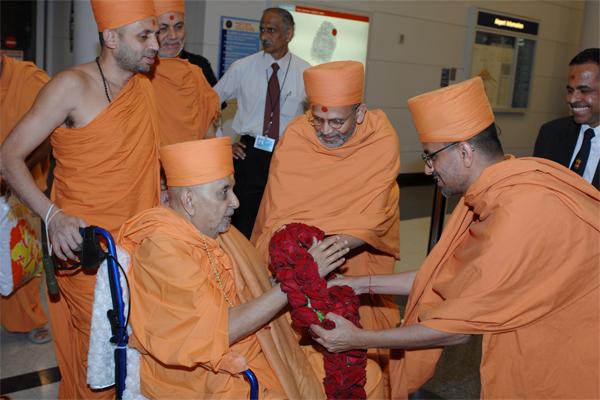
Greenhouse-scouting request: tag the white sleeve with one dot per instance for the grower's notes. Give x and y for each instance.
(228, 86)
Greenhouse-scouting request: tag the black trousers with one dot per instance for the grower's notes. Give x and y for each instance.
(250, 181)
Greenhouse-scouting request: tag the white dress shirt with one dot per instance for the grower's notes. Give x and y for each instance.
(246, 80)
(594, 157)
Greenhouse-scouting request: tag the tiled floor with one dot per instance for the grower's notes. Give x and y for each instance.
(19, 356)
(457, 375)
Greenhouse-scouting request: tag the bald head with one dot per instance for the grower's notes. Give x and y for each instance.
(209, 207)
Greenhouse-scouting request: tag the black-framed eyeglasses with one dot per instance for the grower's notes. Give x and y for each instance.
(334, 123)
(429, 158)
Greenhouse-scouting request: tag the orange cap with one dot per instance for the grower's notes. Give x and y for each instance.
(197, 162)
(112, 14)
(165, 6)
(338, 83)
(452, 114)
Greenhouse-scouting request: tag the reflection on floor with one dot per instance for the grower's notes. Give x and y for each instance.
(457, 375)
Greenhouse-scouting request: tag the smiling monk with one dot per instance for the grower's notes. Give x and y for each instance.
(101, 119)
(336, 168)
(188, 107)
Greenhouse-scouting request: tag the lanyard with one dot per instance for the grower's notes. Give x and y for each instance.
(271, 102)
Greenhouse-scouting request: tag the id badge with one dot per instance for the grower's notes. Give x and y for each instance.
(264, 143)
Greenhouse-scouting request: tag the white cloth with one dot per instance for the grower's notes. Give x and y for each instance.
(101, 362)
(246, 80)
(594, 157)
(6, 224)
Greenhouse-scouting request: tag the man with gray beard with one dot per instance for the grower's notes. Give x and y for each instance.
(101, 120)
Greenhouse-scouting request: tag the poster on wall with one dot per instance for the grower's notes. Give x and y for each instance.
(239, 38)
(502, 53)
(493, 59)
(325, 35)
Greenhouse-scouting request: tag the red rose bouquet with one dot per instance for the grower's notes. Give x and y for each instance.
(310, 300)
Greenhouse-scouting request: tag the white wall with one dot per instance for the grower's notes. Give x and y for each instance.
(590, 33)
(435, 37)
(58, 53)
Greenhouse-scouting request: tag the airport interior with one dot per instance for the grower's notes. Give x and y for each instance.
(521, 49)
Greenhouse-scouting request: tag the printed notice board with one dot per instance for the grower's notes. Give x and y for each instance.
(239, 38)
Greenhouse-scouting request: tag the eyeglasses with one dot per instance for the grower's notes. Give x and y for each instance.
(429, 158)
(334, 123)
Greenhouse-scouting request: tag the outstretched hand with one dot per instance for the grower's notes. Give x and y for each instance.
(345, 336)
(344, 280)
(328, 253)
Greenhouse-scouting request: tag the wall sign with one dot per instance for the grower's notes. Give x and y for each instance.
(501, 50)
(239, 38)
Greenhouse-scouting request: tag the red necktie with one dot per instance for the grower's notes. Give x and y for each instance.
(271, 121)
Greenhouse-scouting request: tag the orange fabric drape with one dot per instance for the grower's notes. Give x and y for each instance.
(179, 317)
(179, 313)
(299, 368)
(335, 84)
(105, 173)
(164, 6)
(517, 263)
(187, 105)
(22, 311)
(108, 171)
(462, 111)
(348, 190)
(197, 162)
(113, 14)
(20, 83)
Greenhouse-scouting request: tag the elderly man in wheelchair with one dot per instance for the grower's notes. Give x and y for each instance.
(202, 307)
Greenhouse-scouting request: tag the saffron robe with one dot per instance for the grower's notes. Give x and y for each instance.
(187, 104)
(179, 316)
(20, 83)
(348, 190)
(517, 263)
(106, 172)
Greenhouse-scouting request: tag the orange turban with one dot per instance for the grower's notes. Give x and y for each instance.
(452, 114)
(197, 162)
(112, 14)
(338, 83)
(165, 6)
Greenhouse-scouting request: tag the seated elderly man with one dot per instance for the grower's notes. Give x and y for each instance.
(200, 298)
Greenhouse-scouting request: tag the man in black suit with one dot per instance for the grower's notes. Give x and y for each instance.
(575, 141)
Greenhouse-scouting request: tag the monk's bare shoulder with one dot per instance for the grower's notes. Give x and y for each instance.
(78, 93)
(65, 89)
(74, 81)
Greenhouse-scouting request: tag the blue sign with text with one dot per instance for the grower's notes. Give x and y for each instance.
(239, 38)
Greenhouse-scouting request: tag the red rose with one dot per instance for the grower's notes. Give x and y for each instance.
(304, 316)
(296, 270)
(328, 324)
(296, 299)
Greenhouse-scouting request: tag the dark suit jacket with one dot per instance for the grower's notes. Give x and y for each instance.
(556, 141)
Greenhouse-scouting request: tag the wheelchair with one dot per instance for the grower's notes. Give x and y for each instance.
(92, 254)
